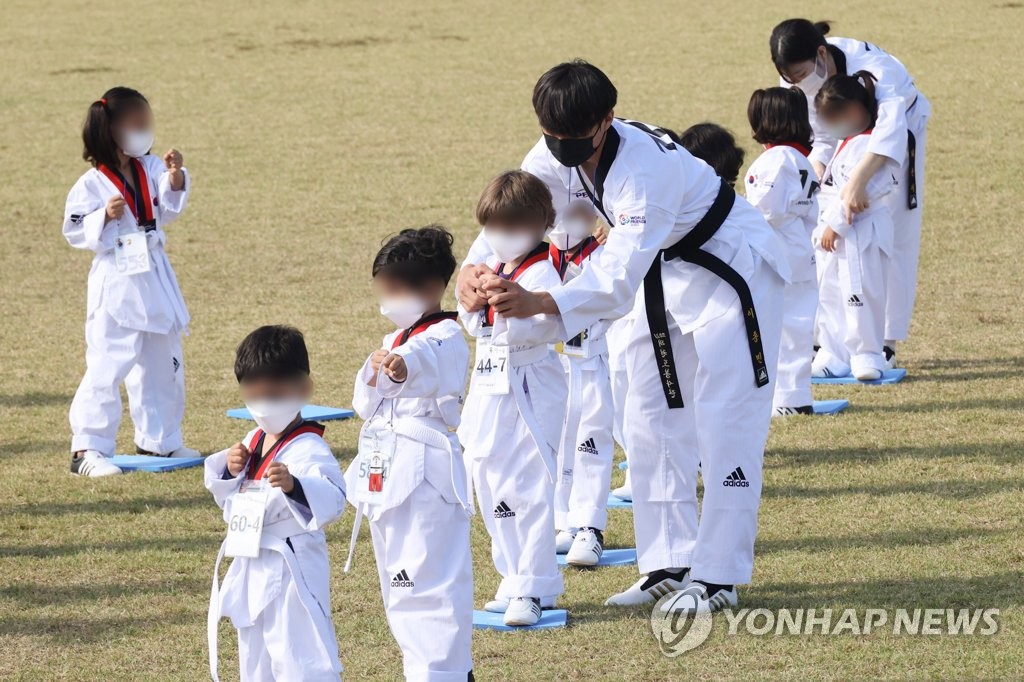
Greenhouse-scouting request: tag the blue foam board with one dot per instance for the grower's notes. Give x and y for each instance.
(830, 406)
(154, 464)
(616, 503)
(889, 376)
(623, 465)
(610, 557)
(550, 618)
(317, 413)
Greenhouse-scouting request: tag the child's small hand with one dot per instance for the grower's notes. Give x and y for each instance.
(277, 474)
(238, 456)
(829, 239)
(115, 207)
(376, 360)
(601, 233)
(173, 161)
(395, 368)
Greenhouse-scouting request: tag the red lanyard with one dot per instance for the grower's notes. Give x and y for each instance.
(137, 199)
(257, 441)
(538, 255)
(422, 325)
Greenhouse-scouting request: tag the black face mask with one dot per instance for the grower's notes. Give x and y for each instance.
(570, 152)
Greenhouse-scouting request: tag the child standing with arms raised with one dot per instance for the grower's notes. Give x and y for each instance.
(135, 314)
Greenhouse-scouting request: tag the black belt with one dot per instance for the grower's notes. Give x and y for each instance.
(912, 169)
(689, 249)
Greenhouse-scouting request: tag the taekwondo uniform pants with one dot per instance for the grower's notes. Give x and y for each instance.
(585, 461)
(426, 579)
(723, 427)
(151, 367)
(796, 349)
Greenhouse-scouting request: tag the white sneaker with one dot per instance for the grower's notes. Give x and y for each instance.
(889, 351)
(587, 548)
(499, 605)
(94, 465)
(651, 588)
(624, 492)
(184, 452)
(563, 541)
(694, 599)
(784, 411)
(868, 374)
(522, 611)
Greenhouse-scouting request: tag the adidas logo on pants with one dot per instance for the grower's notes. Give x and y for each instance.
(588, 446)
(503, 511)
(736, 479)
(402, 580)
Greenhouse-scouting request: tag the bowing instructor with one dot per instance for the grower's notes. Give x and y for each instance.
(706, 273)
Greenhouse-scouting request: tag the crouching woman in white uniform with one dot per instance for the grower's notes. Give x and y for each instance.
(135, 313)
(702, 353)
(804, 57)
(278, 488)
(409, 477)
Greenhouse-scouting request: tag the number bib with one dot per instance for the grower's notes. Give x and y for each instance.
(131, 253)
(490, 373)
(578, 346)
(245, 528)
(377, 444)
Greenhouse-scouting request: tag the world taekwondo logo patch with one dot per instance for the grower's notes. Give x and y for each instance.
(736, 479)
(503, 511)
(632, 219)
(402, 579)
(587, 446)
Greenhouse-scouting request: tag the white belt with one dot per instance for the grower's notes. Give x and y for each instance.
(272, 541)
(849, 266)
(521, 356)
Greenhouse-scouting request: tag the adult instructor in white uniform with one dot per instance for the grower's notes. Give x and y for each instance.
(804, 57)
(702, 353)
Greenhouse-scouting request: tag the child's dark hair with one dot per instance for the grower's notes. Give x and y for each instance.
(572, 98)
(838, 91)
(797, 40)
(98, 142)
(715, 146)
(779, 115)
(272, 352)
(516, 196)
(417, 256)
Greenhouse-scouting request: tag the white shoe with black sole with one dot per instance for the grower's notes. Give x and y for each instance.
(94, 465)
(498, 605)
(586, 549)
(624, 492)
(651, 588)
(180, 453)
(522, 611)
(697, 598)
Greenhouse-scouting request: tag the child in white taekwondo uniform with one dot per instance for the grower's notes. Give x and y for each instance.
(805, 57)
(855, 249)
(409, 477)
(702, 354)
(278, 488)
(585, 457)
(135, 313)
(512, 422)
(783, 185)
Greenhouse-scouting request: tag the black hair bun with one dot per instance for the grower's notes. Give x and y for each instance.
(823, 26)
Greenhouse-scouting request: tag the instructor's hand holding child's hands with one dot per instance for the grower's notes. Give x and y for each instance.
(115, 207)
(277, 474)
(238, 456)
(829, 239)
(469, 289)
(395, 368)
(173, 161)
(509, 299)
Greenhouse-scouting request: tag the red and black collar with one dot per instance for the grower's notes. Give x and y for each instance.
(258, 463)
(422, 325)
(538, 255)
(561, 259)
(795, 145)
(138, 197)
(866, 132)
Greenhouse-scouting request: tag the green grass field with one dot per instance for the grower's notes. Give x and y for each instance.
(313, 129)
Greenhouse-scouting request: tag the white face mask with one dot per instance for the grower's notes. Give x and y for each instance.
(813, 81)
(404, 311)
(509, 246)
(570, 232)
(841, 131)
(274, 416)
(136, 143)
